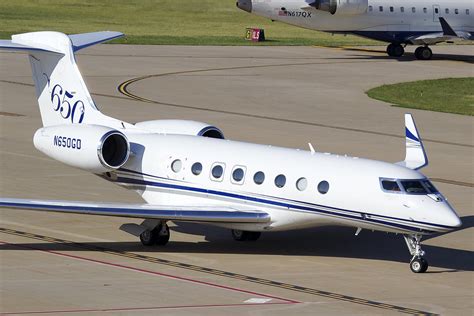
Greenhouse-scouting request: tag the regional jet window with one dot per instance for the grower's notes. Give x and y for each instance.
(259, 177)
(217, 172)
(176, 165)
(436, 10)
(302, 184)
(381, 9)
(425, 10)
(196, 168)
(413, 187)
(391, 9)
(402, 9)
(323, 187)
(280, 181)
(446, 10)
(238, 175)
(370, 8)
(390, 186)
(456, 11)
(413, 9)
(467, 11)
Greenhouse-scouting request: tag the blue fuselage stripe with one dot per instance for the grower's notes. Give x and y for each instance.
(357, 215)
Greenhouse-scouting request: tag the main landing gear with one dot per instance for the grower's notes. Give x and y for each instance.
(242, 235)
(160, 235)
(418, 264)
(421, 53)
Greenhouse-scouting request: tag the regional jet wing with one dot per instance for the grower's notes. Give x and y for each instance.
(448, 35)
(219, 214)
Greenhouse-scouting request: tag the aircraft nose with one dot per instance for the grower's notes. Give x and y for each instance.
(454, 221)
(245, 5)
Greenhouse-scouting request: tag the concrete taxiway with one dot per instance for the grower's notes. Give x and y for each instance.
(286, 96)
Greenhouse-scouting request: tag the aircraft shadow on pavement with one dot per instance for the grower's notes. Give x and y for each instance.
(409, 57)
(330, 241)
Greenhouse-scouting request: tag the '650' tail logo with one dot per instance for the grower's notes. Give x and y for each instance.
(63, 102)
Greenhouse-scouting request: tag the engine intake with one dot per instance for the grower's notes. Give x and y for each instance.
(113, 150)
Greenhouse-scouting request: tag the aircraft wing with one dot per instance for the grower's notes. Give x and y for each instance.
(448, 35)
(219, 214)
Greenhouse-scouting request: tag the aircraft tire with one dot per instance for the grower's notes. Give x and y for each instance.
(148, 237)
(390, 50)
(162, 240)
(242, 235)
(239, 235)
(254, 236)
(423, 53)
(419, 265)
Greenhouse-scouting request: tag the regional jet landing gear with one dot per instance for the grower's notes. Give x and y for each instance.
(423, 53)
(242, 235)
(417, 264)
(160, 235)
(395, 50)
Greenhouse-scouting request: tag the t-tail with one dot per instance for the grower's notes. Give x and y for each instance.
(74, 131)
(61, 91)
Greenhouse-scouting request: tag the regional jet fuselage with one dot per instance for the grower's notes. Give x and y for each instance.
(401, 22)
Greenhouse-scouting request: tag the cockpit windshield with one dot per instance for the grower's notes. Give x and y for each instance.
(414, 187)
(417, 186)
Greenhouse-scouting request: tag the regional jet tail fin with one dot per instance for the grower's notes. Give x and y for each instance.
(205, 214)
(415, 156)
(62, 94)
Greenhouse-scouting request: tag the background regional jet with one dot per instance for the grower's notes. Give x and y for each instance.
(187, 171)
(400, 22)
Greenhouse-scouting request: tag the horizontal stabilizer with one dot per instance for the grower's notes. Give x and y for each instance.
(10, 45)
(219, 214)
(415, 156)
(80, 41)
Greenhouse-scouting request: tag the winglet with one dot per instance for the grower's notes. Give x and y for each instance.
(447, 29)
(415, 156)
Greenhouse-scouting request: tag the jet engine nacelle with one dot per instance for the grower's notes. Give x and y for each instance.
(342, 7)
(91, 147)
(181, 127)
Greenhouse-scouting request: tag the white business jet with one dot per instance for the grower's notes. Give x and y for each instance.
(398, 22)
(187, 171)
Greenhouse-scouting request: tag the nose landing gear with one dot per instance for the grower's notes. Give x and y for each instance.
(418, 264)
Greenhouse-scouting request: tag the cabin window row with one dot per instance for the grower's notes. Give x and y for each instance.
(425, 10)
(238, 175)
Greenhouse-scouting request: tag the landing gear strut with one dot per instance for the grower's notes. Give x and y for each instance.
(423, 53)
(160, 235)
(418, 264)
(242, 235)
(395, 50)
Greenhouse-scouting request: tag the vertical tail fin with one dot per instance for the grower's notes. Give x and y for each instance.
(62, 93)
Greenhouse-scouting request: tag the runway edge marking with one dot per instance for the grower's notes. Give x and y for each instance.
(286, 286)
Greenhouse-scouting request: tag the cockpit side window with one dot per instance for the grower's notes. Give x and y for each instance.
(413, 187)
(430, 187)
(390, 186)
